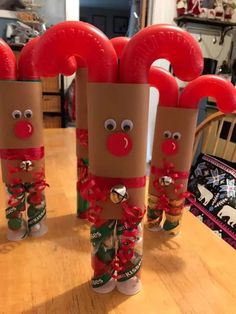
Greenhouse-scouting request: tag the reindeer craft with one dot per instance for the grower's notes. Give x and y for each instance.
(21, 142)
(82, 124)
(173, 142)
(117, 97)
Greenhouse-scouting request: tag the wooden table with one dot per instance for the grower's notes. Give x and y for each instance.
(192, 273)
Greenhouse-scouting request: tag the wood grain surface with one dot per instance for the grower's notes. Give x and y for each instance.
(191, 273)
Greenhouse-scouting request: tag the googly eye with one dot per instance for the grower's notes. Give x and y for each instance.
(16, 114)
(127, 125)
(167, 134)
(110, 124)
(28, 113)
(176, 136)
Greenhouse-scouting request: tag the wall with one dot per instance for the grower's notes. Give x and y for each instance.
(52, 11)
(88, 14)
(164, 11)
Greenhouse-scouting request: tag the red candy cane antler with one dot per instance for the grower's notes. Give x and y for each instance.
(213, 86)
(61, 44)
(119, 44)
(8, 62)
(166, 85)
(160, 41)
(26, 64)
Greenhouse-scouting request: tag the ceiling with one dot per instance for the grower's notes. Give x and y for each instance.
(108, 4)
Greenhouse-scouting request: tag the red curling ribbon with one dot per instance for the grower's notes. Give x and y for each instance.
(82, 136)
(126, 251)
(93, 213)
(168, 170)
(83, 172)
(90, 191)
(129, 183)
(35, 153)
(132, 215)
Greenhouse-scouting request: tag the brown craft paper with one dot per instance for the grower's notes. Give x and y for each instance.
(28, 177)
(21, 96)
(174, 120)
(16, 95)
(81, 108)
(118, 102)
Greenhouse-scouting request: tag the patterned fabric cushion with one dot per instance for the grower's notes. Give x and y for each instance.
(212, 184)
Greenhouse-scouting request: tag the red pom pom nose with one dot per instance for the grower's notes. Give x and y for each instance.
(170, 147)
(119, 144)
(23, 129)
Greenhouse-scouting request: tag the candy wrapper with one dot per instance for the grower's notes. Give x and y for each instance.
(173, 142)
(21, 143)
(117, 97)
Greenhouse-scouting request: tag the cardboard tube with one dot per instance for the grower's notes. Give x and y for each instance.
(174, 120)
(17, 95)
(81, 108)
(118, 102)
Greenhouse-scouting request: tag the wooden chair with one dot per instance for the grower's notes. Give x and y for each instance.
(216, 136)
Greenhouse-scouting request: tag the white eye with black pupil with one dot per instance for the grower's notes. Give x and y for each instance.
(110, 124)
(167, 134)
(176, 136)
(127, 125)
(16, 114)
(28, 113)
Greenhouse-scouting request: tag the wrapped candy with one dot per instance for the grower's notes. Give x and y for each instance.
(117, 97)
(21, 142)
(173, 143)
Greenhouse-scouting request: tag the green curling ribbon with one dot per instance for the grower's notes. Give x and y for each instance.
(82, 204)
(99, 234)
(130, 272)
(101, 280)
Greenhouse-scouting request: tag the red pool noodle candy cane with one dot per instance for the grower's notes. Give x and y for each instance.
(82, 123)
(117, 124)
(172, 148)
(119, 44)
(124, 108)
(21, 143)
(97, 64)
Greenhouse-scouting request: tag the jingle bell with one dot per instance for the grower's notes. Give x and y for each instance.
(118, 194)
(165, 181)
(26, 165)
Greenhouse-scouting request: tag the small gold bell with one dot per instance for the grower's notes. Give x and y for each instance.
(118, 194)
(165, 181)
(26, 165)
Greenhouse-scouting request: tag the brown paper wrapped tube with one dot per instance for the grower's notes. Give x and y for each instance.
(81, 108)
(18, 95)
(180, 120)
(29, 176)
(115, 211)
(118, 102)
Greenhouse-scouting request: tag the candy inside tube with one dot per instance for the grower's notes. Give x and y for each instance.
(209, 86)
